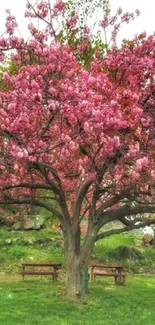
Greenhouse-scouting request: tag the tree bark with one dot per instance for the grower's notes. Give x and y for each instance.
(75, 279)
(77, 259)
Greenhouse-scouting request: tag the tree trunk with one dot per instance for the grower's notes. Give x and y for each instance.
(77, 254)
(77, 259)
(75, 268)
(75, 279)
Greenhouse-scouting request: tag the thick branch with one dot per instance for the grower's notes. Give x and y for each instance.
(12, 136)
(125, 229)
(123, 211)
(33, 202)
(41, 167)
(29, 185)
(81, 195)
(110, 203)
(49, 122)
(56, 188)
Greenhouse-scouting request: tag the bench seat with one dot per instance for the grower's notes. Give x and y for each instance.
(108, 274)
(119, 278)
(41, 269)
(38, 273)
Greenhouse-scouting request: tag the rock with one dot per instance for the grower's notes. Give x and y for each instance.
(147, 239)
(8, 241)
(18, 225)
(30, 241)
(32, 223)
(15, 239)
(43, 241)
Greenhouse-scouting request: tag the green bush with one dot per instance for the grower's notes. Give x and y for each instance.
(103, 249)
(125, 252)
(16, 252)
(149, 253)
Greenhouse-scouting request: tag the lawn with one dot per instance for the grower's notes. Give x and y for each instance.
(36, 302)
(43, 303)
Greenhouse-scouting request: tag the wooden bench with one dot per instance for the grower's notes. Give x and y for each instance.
(39, 269)
(113, 270)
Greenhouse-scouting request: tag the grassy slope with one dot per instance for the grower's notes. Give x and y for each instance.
(36, 302)
(112, 248)
(17, 247)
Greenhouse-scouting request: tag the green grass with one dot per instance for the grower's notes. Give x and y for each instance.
(103, 249)
(36, 302)
(141, 259)
(26, 235)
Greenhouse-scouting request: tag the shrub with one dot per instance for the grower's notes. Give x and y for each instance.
(125, 252)
(16, 252)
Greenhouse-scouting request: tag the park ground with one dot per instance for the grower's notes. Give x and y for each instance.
(36, 302)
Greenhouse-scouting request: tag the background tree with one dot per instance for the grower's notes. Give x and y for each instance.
(82, 132)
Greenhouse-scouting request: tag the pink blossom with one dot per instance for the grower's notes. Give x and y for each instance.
(72, 21)
(135, 176)
(12, 106)
(58, 7)
(105, 22)
(43, 8)
(140, 163)
(11, 23)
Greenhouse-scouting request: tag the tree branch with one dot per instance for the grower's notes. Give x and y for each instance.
(33, 202)
(29, 185)
(124, 229)
(41, 167)
(123, 211)
(81, 195)
(110, 203)
(43, 19)
(12, 136)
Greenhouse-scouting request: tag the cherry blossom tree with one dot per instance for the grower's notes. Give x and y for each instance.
(82, 133)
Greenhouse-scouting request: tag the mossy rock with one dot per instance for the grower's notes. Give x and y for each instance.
(125, 252)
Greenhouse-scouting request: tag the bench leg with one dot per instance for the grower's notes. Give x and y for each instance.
(55, 277)
(123, 280)
(91, 275)
(115, 280)
(120, 280)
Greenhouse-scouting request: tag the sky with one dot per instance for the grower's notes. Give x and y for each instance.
(145, 22)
